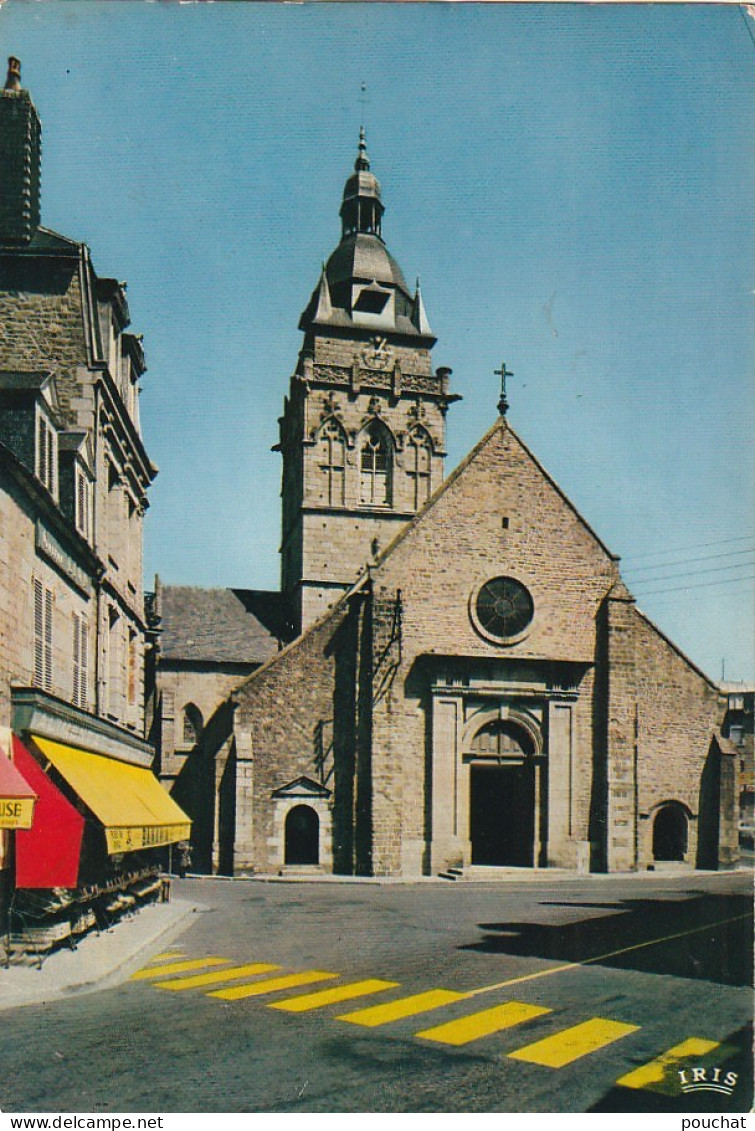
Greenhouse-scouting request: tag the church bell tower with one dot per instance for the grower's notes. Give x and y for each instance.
(363, 426)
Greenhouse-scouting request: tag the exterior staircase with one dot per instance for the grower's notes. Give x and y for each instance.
(484, 873)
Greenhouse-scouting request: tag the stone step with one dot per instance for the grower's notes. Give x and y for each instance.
(488, 873)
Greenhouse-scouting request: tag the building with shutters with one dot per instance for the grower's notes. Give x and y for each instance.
(467, 680)
(74, 477)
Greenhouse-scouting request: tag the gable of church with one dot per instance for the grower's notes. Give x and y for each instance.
(499, 516)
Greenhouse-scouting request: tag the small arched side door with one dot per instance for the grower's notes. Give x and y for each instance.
(302, 845)
(670, 832)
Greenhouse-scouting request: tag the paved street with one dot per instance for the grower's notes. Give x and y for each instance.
(429, 997)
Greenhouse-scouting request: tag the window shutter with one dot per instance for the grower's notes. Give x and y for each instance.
(83, 661)
(81, 515)
(42, 451)
(76, 682)
(48, 640)
(50, 461)
(39, 656)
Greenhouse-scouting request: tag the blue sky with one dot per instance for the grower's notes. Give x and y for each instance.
(572, 183)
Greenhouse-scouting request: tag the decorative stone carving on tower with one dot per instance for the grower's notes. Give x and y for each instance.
(357, 475)
(20, 161)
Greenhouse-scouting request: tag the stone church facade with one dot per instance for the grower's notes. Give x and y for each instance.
(465, 678)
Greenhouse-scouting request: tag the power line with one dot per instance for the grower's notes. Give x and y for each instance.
(743, 11)
(692, 573)
(690, 561)
(697, 585)
(684, 549)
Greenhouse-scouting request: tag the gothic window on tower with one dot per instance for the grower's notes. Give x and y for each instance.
(375, 465)
(333, 463)
(419, 466)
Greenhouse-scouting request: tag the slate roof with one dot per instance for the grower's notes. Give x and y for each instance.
(44, 240)
(366, 257)
(241, 626)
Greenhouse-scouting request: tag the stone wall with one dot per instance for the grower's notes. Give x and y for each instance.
(678, 711)
(500, 516)
(623, 721)
(284, 720)
(42, 322)
(20, 563)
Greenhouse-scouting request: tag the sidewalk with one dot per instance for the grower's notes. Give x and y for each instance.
(475, 874)
(100, 960)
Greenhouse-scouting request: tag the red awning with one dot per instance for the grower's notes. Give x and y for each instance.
(47, 854)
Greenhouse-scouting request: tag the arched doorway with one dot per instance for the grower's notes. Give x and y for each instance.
(502, 796)
(670, 832)
(302, 836)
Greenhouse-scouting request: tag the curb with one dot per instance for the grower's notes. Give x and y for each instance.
(540, 875)
(23, 985)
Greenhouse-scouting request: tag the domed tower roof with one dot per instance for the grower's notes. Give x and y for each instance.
(362, 284)
(366, 258)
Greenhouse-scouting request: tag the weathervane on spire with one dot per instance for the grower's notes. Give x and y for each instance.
(503, 373)
(362, 162)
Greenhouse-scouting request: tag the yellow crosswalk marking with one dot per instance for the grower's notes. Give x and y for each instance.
(166, 955)
(305, 1002)
(659, 1075)
(268, 985)
(570, 1044)
(232, 974)
(482, 1024)
(403, 1007)
(177, 967)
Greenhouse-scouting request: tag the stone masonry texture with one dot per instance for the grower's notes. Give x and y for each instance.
(642, 718)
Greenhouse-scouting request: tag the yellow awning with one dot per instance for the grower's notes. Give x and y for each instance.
(129, 800)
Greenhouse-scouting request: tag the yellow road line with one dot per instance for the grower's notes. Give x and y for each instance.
(601, 957)
(166, 955)
(232, 974)
(571, 1044)
(403, 1007)
(659, 1075)
(476, 1025)
(177, 967)
(268, 985)
(305, 1002)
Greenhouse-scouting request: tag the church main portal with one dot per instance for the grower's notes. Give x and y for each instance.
(502, 795)
(502, 814)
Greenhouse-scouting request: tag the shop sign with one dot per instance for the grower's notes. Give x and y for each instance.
(16, 812)
(53, 550)
(132, 838)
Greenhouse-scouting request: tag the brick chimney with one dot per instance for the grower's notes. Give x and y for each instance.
(20, 153)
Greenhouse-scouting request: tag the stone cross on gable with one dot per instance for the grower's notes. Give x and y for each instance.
(503, 373)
